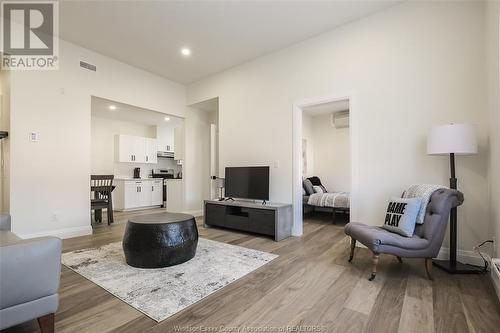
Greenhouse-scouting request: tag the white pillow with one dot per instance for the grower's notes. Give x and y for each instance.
(401, 215)
(318, 189)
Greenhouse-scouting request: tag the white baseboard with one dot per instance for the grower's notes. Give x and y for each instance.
(465, 257)
(495, 277)
(61, 233)
(195, 213)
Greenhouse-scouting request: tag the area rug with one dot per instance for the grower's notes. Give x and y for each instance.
(160, 293)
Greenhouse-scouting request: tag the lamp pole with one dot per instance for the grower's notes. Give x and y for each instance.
(452, 265)
(453, 215)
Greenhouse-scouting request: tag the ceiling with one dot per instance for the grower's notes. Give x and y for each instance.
(125, 112)
(326, 108)
(220, 34)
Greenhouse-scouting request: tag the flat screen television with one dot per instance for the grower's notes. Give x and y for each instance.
(247, 182)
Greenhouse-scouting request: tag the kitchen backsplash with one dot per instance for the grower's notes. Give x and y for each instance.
(127, 169)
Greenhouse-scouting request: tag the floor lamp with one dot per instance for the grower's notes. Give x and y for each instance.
(453, 139)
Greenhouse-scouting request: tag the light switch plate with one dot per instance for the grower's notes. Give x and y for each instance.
(34, 136)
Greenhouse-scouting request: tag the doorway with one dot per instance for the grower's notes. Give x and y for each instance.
(144, 151)
(202, 135)
(325, 147)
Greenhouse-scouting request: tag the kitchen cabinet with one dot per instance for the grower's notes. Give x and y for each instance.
(179, 143)
(135, 149)
(157, 193)
(146, 194)
(130, 195)
(124, 148)
(165, 138)
(137, 193)
(151, 151)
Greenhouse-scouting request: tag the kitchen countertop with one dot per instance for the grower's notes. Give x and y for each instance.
(131, 178)
(142, 179)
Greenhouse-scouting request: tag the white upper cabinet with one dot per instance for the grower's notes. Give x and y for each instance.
(135, 149)
(151, 152)
(124, 148)
(139, 144)
(165, 138)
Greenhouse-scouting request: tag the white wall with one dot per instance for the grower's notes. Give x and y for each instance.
(5, 143)
(332, 159)
(49, 192)
(411, 67)
(307, 134)
(197, 159)
(492, 11)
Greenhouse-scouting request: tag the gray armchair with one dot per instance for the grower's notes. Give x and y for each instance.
(427, 238)
(29, 278)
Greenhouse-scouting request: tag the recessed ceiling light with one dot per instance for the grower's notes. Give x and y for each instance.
(166, 119)
(185, 51)
(112, 107)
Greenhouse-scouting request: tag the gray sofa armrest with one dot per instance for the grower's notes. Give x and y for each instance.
(29, 269)
(4, 221)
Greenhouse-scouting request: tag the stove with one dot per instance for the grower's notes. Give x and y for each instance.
(165, 176)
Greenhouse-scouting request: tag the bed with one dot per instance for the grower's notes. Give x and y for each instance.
(316, 196)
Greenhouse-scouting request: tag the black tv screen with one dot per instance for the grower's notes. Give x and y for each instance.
(247, 182)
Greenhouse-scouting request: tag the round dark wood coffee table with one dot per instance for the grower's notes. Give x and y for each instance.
(160, 240)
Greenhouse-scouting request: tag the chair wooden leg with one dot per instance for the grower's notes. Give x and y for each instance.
(108, 214)
(399, 259)
(46, 323)
(98, 215)
(111, 208)
(428, 268)
(374, 266)
(353, 246)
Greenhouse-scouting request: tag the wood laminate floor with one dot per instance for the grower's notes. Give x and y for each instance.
(310, 286)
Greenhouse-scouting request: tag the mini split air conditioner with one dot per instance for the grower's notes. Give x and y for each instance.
(340, 119)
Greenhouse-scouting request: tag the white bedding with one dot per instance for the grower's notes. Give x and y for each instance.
(333, 199)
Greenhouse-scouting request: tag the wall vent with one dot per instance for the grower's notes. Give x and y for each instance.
(88, 66)
(340, 119)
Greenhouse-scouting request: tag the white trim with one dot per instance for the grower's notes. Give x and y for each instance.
(495, 277)
(195, 213)
(466, 257)
(297, 151)
(61, 233)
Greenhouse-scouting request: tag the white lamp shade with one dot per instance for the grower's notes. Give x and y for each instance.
(459, 139)
(219, 182)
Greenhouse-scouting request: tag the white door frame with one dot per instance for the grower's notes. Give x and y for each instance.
(214, 170)
(297, 153)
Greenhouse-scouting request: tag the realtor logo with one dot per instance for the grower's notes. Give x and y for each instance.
(29, 35)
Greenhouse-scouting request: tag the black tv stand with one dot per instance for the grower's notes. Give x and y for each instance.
(264, 202)
(266, 218)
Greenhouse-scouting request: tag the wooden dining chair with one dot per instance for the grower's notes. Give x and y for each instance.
(101, 187)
